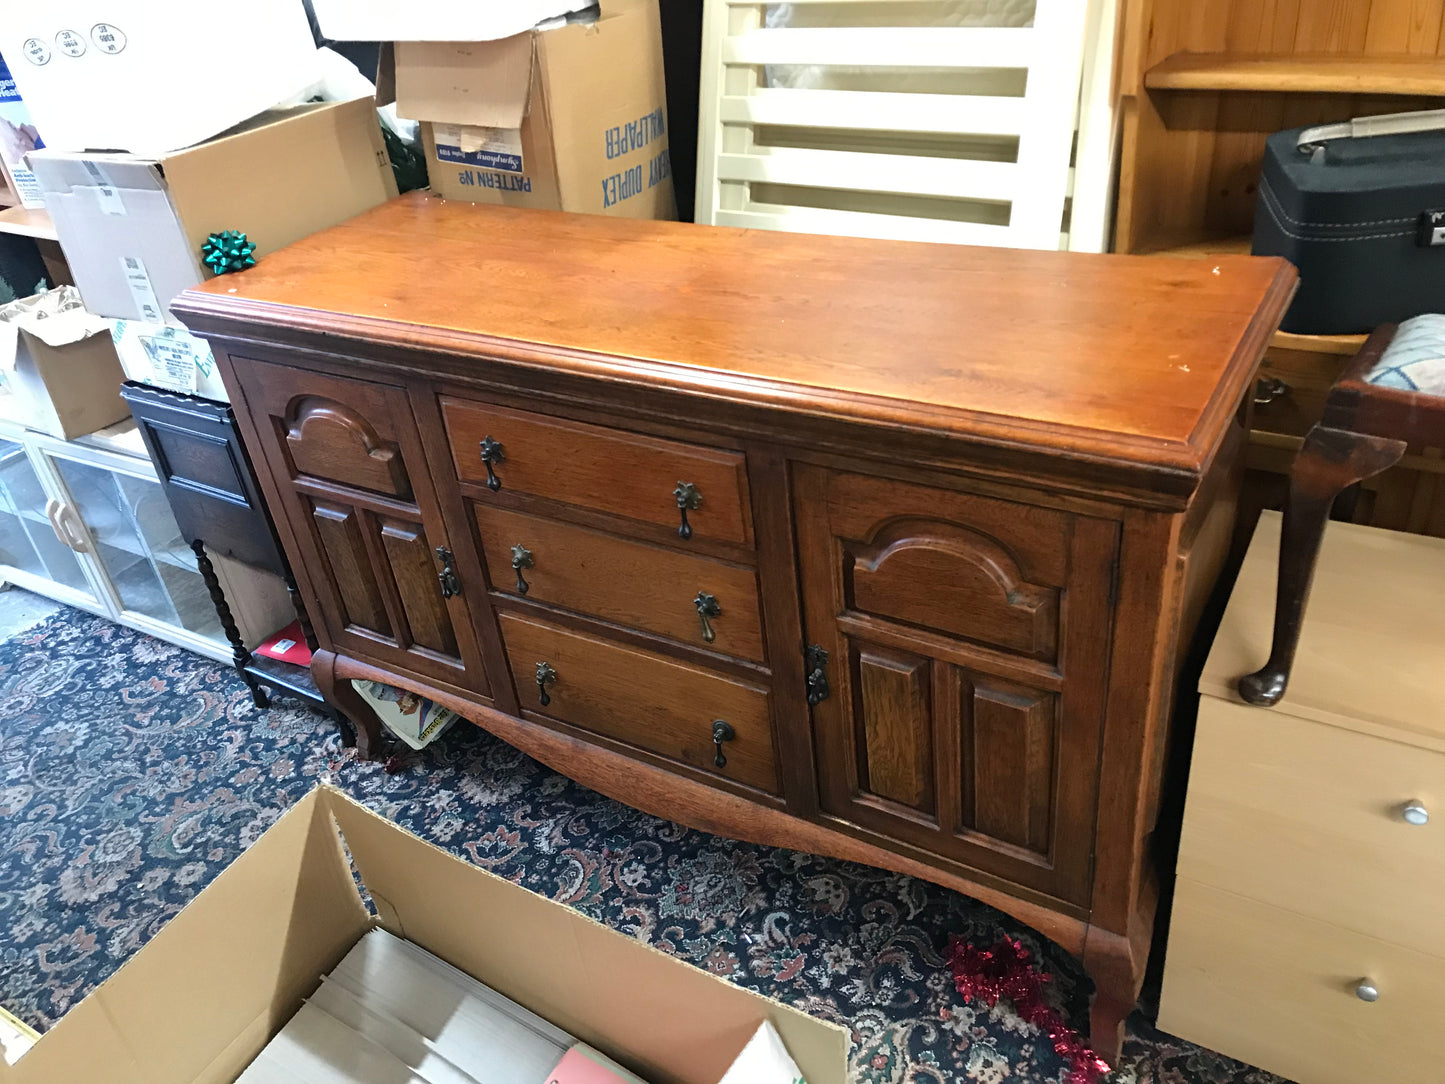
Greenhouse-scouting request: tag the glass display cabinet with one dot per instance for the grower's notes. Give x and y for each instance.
(87, 523)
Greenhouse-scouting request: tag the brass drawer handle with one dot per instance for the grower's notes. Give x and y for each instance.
(688, 499)
(545, 676)
(1269, 388)
(521, 558)
(492, 453)
(721, 732)
(708, 607)
(447, 577)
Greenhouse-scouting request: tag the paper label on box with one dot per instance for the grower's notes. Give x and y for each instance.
(134, 270)
(471, 145)
(174, 360)
(106, 194)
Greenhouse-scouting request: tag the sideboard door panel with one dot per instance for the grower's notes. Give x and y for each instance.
(893, 727)
(965, 639)
(348, 459)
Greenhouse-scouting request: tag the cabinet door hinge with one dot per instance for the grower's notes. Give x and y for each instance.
(447, 577)
(815, 660)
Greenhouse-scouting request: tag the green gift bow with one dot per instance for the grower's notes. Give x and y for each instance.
(228, 251)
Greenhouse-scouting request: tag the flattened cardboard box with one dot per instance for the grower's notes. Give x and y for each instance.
(201, 999)
(570, 119)
(132, 227)
(164, 74)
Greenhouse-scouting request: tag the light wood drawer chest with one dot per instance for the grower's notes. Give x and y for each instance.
(1308, 930)
(882, 550)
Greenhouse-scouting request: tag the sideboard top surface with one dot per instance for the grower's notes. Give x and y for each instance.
(1134, 360)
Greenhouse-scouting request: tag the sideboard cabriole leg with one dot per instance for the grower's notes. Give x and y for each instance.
(343, 698)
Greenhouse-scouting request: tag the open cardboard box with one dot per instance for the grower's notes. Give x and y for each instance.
(202, 998)
(571, 118)
(133, 227)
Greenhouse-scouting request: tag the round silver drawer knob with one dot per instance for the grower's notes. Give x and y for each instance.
(1415, 813)
(1367, 991)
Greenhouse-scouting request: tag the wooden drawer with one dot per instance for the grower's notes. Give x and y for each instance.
(630, 583)
(611, 471)
(1308, 816)
(1277, 990)
(644, 699)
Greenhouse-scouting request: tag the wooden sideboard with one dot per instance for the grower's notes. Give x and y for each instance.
(875, 549)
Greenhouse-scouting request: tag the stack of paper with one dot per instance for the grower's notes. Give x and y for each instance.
(392, 1013)
(412, 718)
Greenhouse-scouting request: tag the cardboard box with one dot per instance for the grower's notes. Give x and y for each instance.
(149, 76)
(167, 356)
(436, 20)
(203, 997)
(58, 369)
(132, 227)
(572, 118)
(18, 137)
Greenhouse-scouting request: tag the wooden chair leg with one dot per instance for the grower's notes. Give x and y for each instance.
(1330, 461)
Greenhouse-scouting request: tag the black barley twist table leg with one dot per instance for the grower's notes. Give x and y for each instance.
(239, 655)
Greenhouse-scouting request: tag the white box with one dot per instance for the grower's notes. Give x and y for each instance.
(167, 356)
(436, 20)
(150, 76)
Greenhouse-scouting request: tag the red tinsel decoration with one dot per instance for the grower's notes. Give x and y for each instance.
(1007, 972)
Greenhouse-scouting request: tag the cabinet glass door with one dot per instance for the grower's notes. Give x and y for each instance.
(27, 541)
(139, 547)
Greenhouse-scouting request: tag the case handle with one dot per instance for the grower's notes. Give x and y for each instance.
(1312, 140)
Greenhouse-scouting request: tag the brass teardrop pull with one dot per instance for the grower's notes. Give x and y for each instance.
(708, 607)
(721, 731)
(521, 558)
(545, 676)
(688, 499)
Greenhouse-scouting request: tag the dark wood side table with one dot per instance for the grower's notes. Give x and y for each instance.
(211, 486)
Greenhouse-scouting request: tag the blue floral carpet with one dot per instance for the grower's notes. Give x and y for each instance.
(132, 772)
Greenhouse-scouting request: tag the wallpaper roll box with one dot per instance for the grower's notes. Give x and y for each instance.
(529, 104)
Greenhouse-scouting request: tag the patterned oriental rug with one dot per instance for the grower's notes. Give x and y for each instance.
(132, 772)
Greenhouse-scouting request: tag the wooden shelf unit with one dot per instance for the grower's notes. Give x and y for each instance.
(28, 222)
(1203, 84)
(1299, 73)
